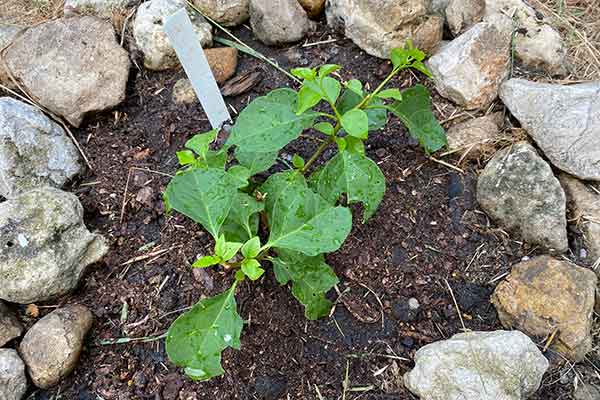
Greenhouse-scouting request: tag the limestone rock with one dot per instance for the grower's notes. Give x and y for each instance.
(225, 12)
(7, 35)
(151, 38)
(585, 206)
(183, 92)
(78, 68)
(439, 7)
(544, 294)
(45, 245)
(378, 26)
(518, 190)
(564, 121)
(314, 8)
(463, 14)
(52, 346)
(276, 22)
(470, 69)
(10, 326)
(99, 8)
(34, 150)
(474, 137)
(13, 381)
(478, 366)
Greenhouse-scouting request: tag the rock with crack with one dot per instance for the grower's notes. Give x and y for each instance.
(276, 22)
(7, 34)
(518, 190)
(584, 204)
(13, 381)
(34, 150)
(52, 346)
(378, 26)
(564, 121)
(474, 137)
(10, 326)
(478, 366)
(225, 12)
(99, 8)
(78, 68)
(463, 14)
(45, 247)
(545, 295)
(150, 36)
(470, 69)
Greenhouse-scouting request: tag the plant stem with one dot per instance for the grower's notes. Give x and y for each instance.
(320, 150)
(369, 97)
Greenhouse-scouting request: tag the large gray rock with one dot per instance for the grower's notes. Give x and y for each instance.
(99, 8)
(13, 381)
(78, 67)
(470, 69)
(277, 22)
(34, 150)
(225, 12)
(500, 365)
(10, 326)
(463, 14)
(378, 26)
(564, 121)
(7, 35)
(52, 346)
(150, 36)
(45, 245)
(518, 190)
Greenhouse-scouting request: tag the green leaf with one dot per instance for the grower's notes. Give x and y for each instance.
(331, 89)
(307, 99)
(251, 248)
(328, 69)
(325, 127)
(341, 143)
(297, 161)
(269, 123)
(242, 222)
(377, 116)
(252, 269)
(197, 338)
(399, 57)
(415, 112)
(240, 175)
(311, 279)
(355, 145)
(205, 196)
(355, 175)
(255, 162)
(356, 123)
(356, 86)
(226, 250)
(200, 143)
(186, 157)
(304, 73)
(419, 66)
(390, 94)
(206, 261)
(239, 275)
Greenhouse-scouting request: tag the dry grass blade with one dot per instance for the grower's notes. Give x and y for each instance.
(30, 12)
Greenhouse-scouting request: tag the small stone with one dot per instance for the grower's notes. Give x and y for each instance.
(474, 137)
(10, 326)
(223, 62)
(586, 391)
(463, 14)
(150, 36)
(34, 150)
(564, 121)
(408, 342)
(99, 8)
(276, 22)
(414, 304)
(470, 69)
(52, 346)
(13, 381)
(270, 388)
(403, 312)
(7, 34)
(225, 12)
(478, 366)
(518, 190)
(544, 295)
(314, 8)
(183, 92)
(398, 256)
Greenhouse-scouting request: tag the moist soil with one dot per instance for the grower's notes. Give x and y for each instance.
(428, 236)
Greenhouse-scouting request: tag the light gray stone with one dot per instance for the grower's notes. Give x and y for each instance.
(564, 121)
(463, 14)
(44, 246)
(183, 92)
(586, 391)
(518, 190)
(276, 22)
(499, 365)
(10, 326)
(34, 150)
(13, 381)
(99, 8)
(475, 136)
(378, 26)
(7, 35)
(439, 7)
(150, 36)
(52, 346)
(78, 68)
(225, 12)
(470, 69)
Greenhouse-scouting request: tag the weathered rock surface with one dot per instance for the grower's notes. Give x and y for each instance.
(223, 62)
(10, 326)
(225, 12)
(45, 245)
(34, 150)
(564, 121)
(543, 295)
(52, 346)
(518, 190)
(183, 92)
(314, 8)
(78, 68)
(378, 26)
(439, 7)
(463, 14)
(13, 381)
(99, 8)
(7, 35)
(586, 391)
(276, 22)
(151, 38)
(478, 366)
(470, 69)
(585, 208)
(474, 137)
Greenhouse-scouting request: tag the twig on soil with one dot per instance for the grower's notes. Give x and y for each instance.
(379, 301)
(150, 255)
(346, 381)
(125, 24)
(125, 197)
(456, 305)
(445, 164)
(125, 340)
(318, 393)
(320, 43)
(550, 340)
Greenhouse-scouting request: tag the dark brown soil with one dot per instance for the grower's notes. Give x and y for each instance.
(427, 234)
